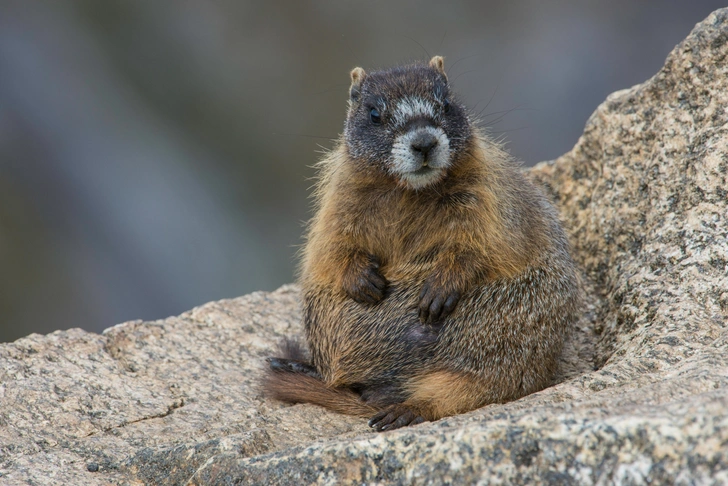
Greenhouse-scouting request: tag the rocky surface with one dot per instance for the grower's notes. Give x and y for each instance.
(643, 387)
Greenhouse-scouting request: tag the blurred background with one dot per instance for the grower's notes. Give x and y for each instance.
(157, 155)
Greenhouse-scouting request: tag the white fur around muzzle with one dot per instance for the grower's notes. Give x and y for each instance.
(411, 167)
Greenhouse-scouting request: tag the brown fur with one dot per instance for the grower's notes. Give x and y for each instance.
(296, 388)
(377, 250)
(463, 393)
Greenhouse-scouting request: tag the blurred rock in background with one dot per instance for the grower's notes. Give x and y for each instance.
(157, 155)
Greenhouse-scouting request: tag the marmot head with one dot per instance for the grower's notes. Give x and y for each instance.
(406, 122)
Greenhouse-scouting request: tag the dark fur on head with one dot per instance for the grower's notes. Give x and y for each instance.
(406, 98)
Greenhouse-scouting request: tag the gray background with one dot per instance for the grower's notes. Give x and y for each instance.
(156, 155)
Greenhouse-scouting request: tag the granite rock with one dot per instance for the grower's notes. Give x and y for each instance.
(640, 398)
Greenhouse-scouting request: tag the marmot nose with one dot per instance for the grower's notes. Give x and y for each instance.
(423, 142)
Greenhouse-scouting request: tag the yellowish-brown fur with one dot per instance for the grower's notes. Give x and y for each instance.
(340, 226)
(377, 250)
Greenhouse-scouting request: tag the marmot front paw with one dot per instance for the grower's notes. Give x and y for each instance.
(363, 282)
(436, 302)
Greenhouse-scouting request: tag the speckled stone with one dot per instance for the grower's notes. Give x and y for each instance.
(641, 396)
(150, 402)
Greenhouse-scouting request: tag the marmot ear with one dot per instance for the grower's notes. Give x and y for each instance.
(438, 63)
(357, 78)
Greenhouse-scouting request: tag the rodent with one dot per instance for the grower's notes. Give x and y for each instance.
(435, 277)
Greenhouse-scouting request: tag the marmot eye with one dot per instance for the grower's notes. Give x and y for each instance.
(375, 117)
(446, 106)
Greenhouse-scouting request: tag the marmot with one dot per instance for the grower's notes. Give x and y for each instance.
(435, 277)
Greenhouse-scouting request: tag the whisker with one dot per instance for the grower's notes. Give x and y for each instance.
(423, 47)
(461, 59)
(466, 72)
(511, 130)
(441, 41)
(497, 86)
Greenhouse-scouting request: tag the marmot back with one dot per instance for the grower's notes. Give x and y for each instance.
(436, 278)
